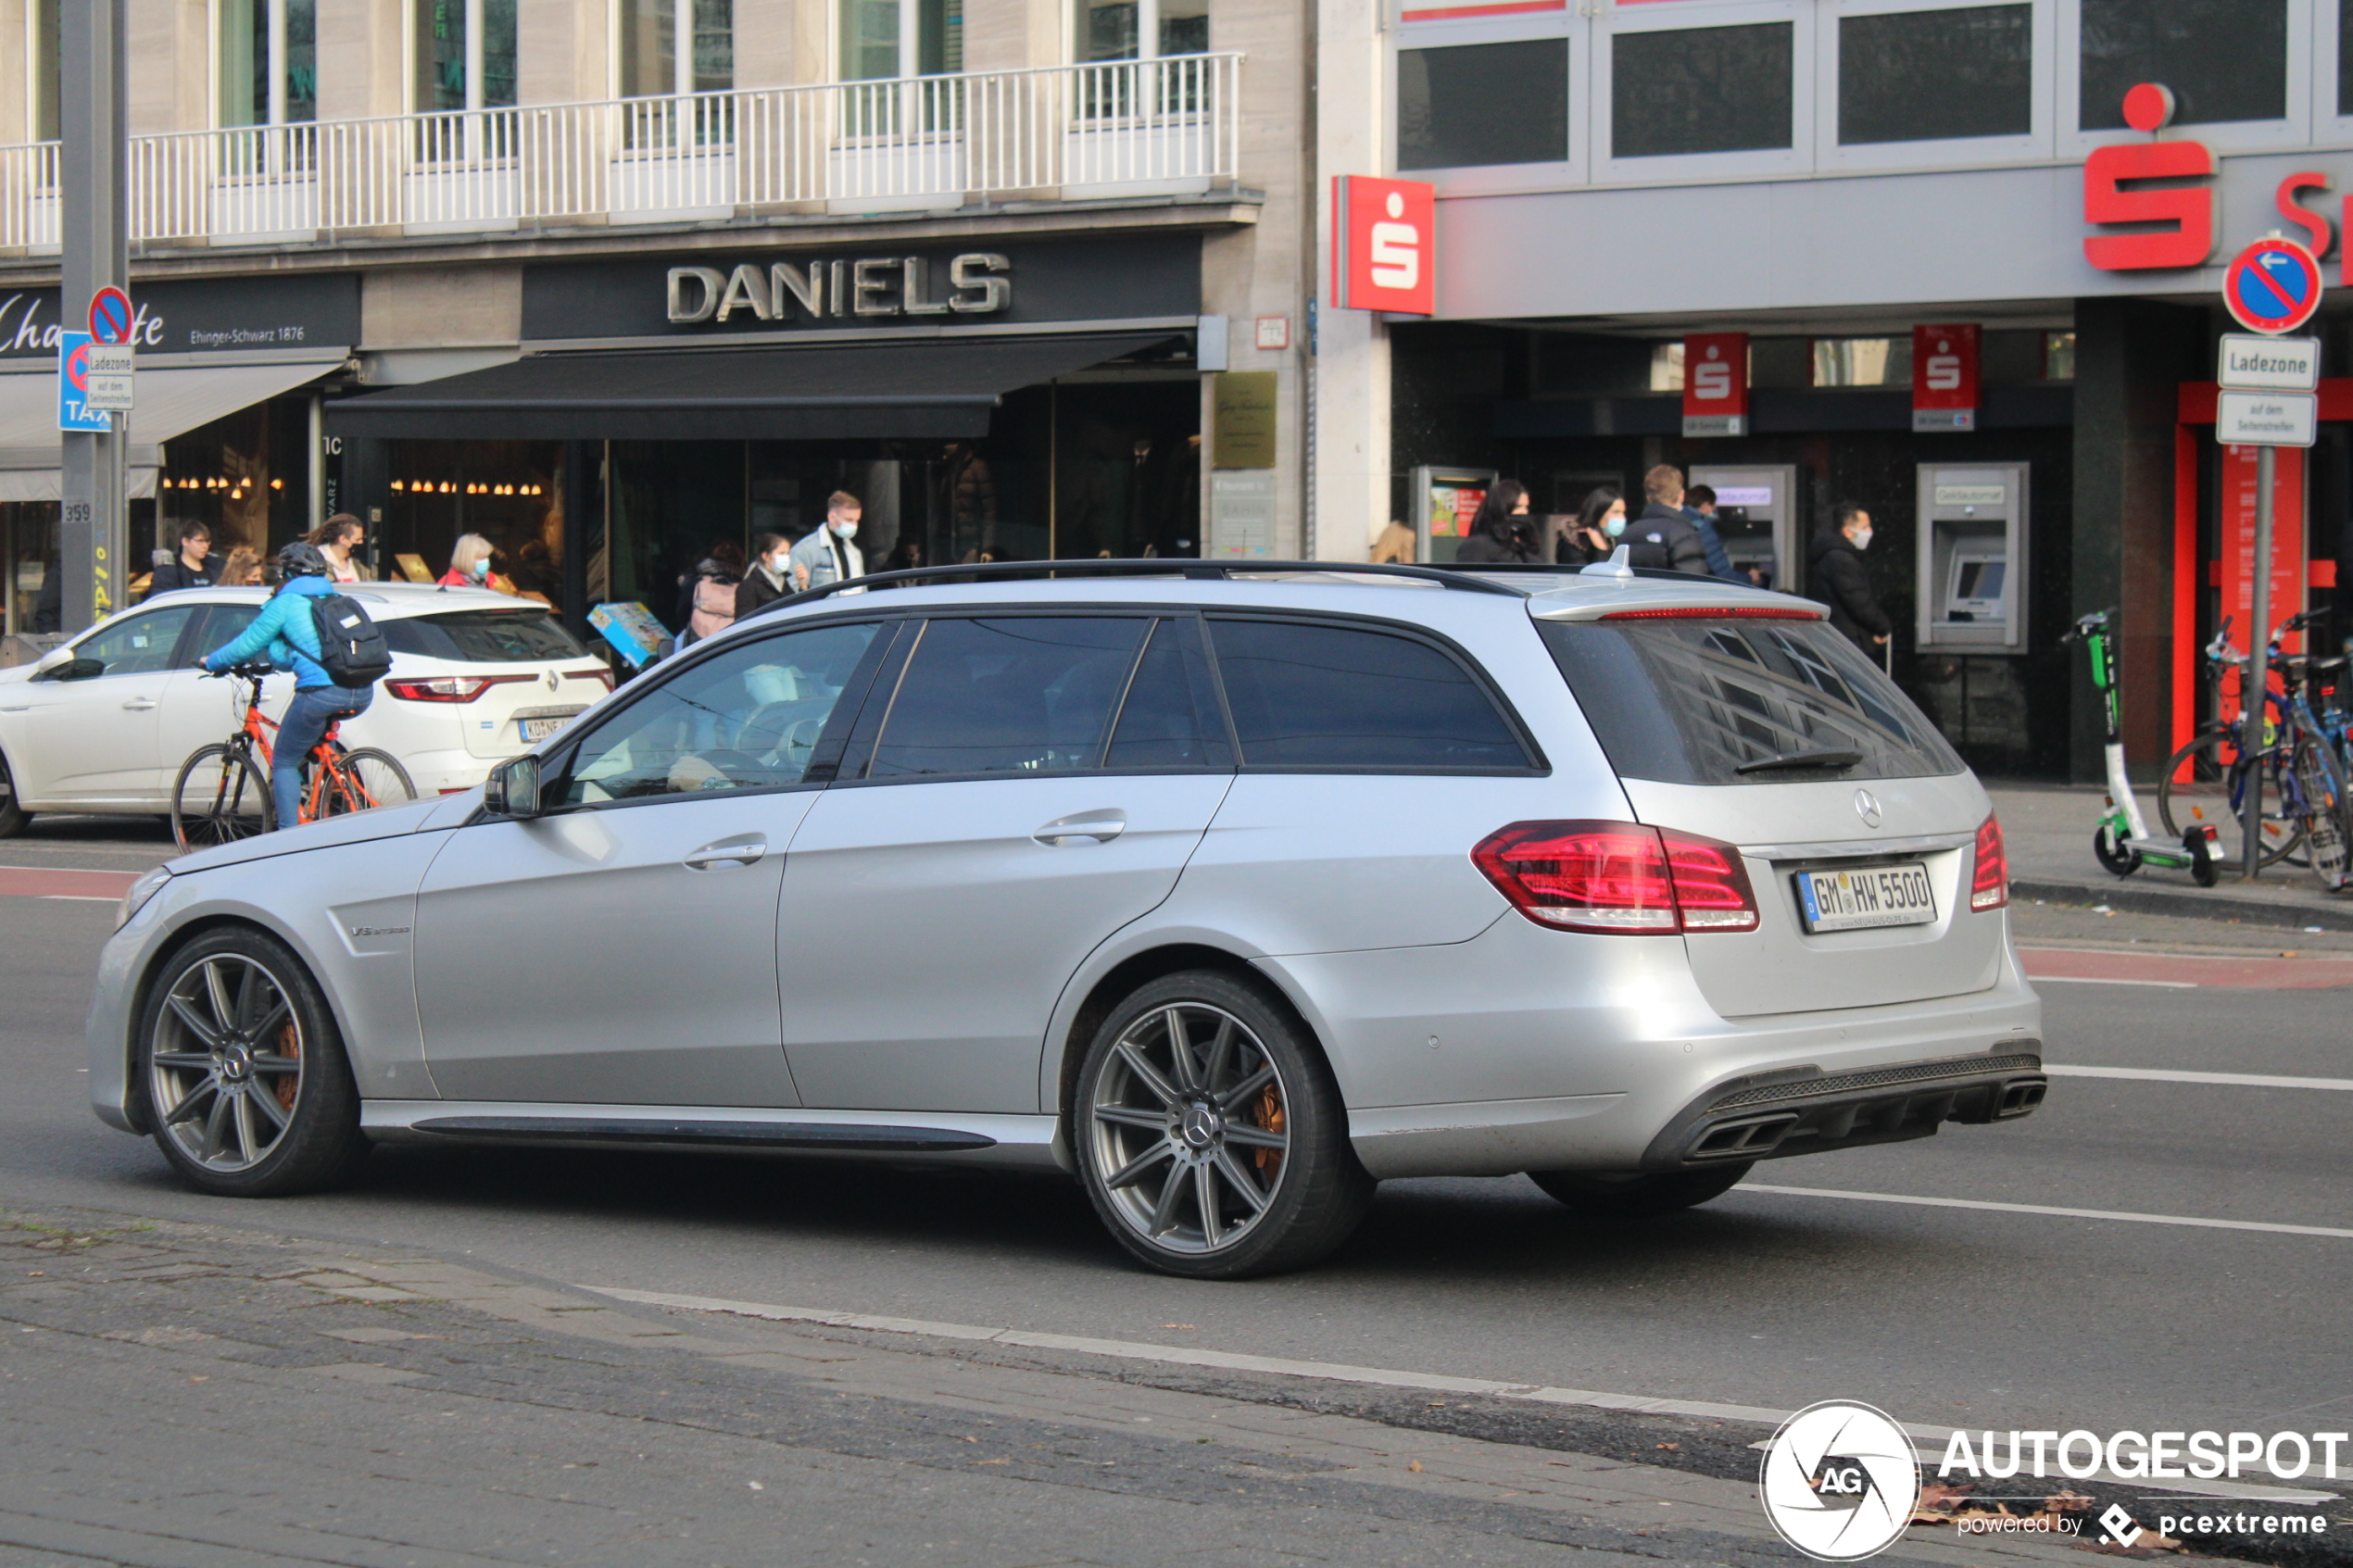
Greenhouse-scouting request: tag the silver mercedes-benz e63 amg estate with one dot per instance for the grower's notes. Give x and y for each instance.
(1229, 889)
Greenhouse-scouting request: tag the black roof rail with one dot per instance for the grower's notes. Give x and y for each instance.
(1174, 566)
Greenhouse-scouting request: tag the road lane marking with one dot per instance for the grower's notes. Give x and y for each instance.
(2047, 1209)
(2171, 1075)
(1930, 1440)
(2110, 980)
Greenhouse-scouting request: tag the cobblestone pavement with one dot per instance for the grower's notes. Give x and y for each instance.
(193, 1397)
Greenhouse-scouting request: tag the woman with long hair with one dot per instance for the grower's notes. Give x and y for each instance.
(1594, 537)
(338, 539)
(1502, 533)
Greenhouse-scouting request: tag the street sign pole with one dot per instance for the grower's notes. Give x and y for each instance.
(2252, 684)
(94, 523)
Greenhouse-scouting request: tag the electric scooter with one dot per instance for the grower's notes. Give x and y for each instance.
(2122, 842)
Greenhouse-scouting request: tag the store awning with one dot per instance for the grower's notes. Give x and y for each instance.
(170, 402)
(941, 388)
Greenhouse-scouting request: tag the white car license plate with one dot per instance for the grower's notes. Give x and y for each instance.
(1851, 900)
(540, 729)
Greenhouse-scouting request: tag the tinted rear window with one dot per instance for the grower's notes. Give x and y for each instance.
(1308, 696)
(484, 636)
(1012, 694)
(1689, 701)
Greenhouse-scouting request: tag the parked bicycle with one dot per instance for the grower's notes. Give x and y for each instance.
(2206, 781)
(223, 793)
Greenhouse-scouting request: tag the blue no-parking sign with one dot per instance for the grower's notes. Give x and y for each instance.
(74, 378)
(2273, 286)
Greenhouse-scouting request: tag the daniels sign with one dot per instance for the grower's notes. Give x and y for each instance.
(976, 283)
(2171, 225)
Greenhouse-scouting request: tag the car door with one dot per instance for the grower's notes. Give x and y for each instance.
(620, 948)
(91, 725)
(199, 710)
(1018, 789)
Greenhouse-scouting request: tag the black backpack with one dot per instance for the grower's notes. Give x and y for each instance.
(351, 648)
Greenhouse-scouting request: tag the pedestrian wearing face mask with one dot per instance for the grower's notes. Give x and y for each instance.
(1839, 579)
(827, 555)
(1594, 536)
(469, 563)
(769, 576)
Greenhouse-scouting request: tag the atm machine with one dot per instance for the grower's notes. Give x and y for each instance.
(1972, 557)
(1758, 518)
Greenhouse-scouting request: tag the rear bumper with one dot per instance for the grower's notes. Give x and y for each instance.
(1772, 1116)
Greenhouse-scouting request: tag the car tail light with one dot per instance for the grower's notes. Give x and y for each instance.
(594, 672)
(1619, 877)
(1718, 612)
(448, 688)
(1990, 884)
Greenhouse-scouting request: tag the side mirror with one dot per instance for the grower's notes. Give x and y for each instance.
(513, 789)
(55, 659)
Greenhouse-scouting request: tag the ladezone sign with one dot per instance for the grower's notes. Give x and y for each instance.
(2177, 219)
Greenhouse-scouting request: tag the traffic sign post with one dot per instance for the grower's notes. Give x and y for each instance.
(2269, 400)
(93, 519)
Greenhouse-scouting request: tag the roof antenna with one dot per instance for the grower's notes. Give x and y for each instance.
(1619, 565)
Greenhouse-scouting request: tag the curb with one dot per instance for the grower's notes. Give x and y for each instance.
(2189, 905)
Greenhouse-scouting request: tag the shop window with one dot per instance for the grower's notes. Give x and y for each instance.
(748, 719)
(1667, 367)
(1862, 361)
(2058, 356)
(1320, 696)
(44, 48)
(652, 66)
(1933, 76)
(1479, 104)
(2224, 59)
(506, 492)
(269, 61)
(1132, 29)
(245, 476)
(1701, 90)
(1008, 696)
(450, 73)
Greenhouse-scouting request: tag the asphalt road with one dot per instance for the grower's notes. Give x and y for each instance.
(1950, 1315)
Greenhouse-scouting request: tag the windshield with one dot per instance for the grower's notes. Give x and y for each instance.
(1691, 701)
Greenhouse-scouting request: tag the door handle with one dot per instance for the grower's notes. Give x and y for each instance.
(139, 705)
(744, 851)
(1100, 827)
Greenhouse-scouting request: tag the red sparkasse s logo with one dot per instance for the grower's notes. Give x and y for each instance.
(1716, 374)
(2118, 190)
(1384, 245)
(1944, 374)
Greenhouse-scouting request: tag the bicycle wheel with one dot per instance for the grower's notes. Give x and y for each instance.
(2324, 817)
(219, 797)
(2204, 799)
(363, 780)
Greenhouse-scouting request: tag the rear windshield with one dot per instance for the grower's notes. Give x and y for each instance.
(1689, 701)
(484, 636)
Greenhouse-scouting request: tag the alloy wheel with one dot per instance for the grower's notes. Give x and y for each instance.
(1190, 1127)
(225, 1063)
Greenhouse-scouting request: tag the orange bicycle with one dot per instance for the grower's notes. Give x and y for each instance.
(223, 793)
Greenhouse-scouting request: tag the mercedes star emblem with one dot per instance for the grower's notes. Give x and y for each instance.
(1866, 808)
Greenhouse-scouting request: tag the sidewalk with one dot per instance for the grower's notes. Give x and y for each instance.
(2047, 829)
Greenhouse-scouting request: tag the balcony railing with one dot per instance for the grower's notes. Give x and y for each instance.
(1071, 132)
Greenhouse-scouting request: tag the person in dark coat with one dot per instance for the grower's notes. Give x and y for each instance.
(1593, 537)
(768, 578)
(1837, 577)
(192, 567)
(1503, 532)
(1663, 537)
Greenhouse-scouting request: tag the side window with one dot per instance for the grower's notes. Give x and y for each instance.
(1005, 695)
(748, 718)
(140, 645)
(1170, 718)
(219, 625)
(1309, 696)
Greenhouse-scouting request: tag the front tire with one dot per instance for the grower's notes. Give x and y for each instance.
(13, 816)
(1209, 1134)
(219, 797)
(1599, 1196)
(2112, 854)
(247, 1088)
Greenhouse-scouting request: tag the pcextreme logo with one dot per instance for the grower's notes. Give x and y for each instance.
(1840, 1481)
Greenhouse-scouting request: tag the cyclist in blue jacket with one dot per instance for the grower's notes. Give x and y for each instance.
(287, 636)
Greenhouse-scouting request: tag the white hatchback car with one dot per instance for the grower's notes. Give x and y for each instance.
(102, 723)
(1228, 889)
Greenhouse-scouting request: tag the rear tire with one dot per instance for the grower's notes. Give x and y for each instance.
(377, 776)
(2204, 801)
(1210, 1137)
(13, 816)
(246, 1087)
(1597, 1195)
(2119, 861)
(219, 797)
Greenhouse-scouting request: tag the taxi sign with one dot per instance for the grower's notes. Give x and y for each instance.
(110, 316)
(74, 412)
(2273, 286)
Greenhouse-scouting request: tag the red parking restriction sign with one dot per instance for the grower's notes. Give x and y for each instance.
(110, 316)
(2273, 286)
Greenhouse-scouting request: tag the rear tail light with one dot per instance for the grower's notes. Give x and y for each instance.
(448, 688)
(1718, 612)
(1619, 877)
(595, 673)
(1988, 886)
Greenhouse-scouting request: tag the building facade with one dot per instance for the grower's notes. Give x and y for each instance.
(1803, 186)
(617, 284)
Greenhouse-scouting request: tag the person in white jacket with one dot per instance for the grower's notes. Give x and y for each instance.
(828, 554)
